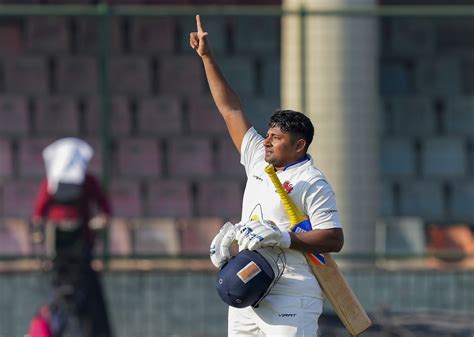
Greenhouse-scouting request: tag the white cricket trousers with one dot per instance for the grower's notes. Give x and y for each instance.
(277, 316)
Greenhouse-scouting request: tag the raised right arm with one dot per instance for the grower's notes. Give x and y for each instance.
(225, 98)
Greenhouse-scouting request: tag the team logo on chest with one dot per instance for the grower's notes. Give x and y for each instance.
(287, 186)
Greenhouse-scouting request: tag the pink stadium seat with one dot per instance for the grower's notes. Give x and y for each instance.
(31, 156)
(160, 115)
(57, 116)
(197, 234)
(47, 34)
(88, 35)
(120, 239)
(153, 35)
(130, 75)
(205, 118)
(14, 237)
(181, 75)
(77, 75)
(19, 197)
(14, 115)
(125, 198)
(11, 41)
(120, 118)
(26, 75)
(138, 157)
(170, 198)
(220, 198)
(6, 158)
(190, 157)
(155, 236)
(228, 160)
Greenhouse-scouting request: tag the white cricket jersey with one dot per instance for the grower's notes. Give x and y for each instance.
(310, 192)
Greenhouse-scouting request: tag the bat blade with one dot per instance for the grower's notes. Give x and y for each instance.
(325, 269)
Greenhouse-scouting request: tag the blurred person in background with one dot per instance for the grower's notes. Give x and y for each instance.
(65, 204)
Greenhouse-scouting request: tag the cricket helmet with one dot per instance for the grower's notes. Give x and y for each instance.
(249, 276)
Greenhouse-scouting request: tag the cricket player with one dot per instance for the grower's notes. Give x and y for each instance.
(294, 304)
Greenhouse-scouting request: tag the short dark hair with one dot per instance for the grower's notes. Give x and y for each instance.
(294, 123)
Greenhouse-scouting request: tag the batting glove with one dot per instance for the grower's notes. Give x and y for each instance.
(219, 250)
(257, 234)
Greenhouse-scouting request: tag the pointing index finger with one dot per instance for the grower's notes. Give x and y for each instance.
(199, 24)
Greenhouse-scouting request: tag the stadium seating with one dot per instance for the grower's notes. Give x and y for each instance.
(453, 245)
(11, 41)
(169, 198)
(18, 198)
(30, 155)
(138, 157)
(204, 118)
(87, 40)
(412, 37)
(6, 158)
(152, 35)
(401, 235)
(126, 72)
(387, 199)
(57, 116)
(197, 233)
(396, 78)
(120, 116)
(14, 237)
(462, 200)
(155, 236)
(257, 35)
(190, 157)
(77, 75)
(47, 35)
(160, 115)
(14, 116)
(180, 75)
(125, 197)
(413, 116)
(228, 160)
(458, 117)
(26, 75)
(422, 198)
(219, 198)
(397, 157)
(444, 157)
(438, 76)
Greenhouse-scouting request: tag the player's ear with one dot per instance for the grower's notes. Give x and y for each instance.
(300, 145)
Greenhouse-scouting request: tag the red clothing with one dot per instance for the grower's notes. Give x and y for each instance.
(45, 207)
(39, 327)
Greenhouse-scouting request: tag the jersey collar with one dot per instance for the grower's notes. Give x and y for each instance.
(304, 159)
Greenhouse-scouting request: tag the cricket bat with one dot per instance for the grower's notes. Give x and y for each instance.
(325, 269)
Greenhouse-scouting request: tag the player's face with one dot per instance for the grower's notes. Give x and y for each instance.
(280, 149)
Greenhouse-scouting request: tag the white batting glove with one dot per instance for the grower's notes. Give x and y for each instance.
(262, 233)
(219, 250)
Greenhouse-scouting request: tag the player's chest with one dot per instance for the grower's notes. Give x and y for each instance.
(262, 196)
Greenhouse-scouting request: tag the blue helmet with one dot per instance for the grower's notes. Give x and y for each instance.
(249, 276)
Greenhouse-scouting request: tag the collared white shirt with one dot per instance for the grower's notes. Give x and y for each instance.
(312, 195)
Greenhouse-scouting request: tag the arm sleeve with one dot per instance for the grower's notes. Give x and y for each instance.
(96, 191)
(320, 203)
(42, 200)
(252, 149)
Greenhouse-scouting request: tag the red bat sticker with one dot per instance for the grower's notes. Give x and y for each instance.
(287, 186)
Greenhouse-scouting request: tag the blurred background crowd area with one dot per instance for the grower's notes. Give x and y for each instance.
(172, 174)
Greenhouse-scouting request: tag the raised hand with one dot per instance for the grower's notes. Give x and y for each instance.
(198, 40)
